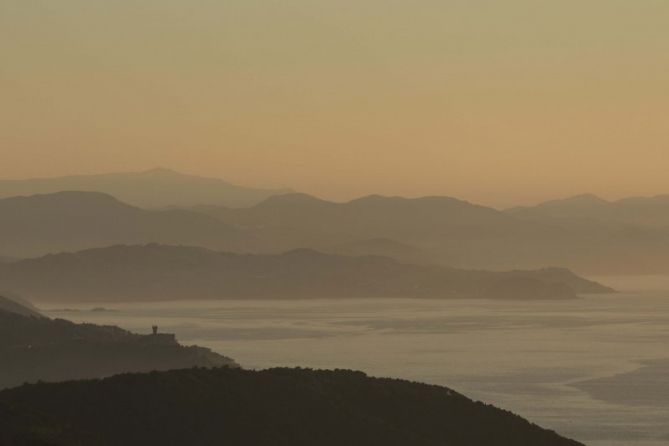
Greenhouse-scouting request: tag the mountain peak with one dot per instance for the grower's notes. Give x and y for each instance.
(579, 202)
(294, 198)
(162, 171)
(586, 198)
(395, 199)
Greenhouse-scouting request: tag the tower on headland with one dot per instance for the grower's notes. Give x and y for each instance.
(159, 338)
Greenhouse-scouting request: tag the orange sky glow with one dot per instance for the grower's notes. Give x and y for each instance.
(497, 102)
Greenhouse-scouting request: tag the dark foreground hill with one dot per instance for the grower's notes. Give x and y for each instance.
(158, 272)
(39, 348)
(14, 306)
(292, 407)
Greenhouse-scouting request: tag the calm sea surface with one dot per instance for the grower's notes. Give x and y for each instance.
(594, 369)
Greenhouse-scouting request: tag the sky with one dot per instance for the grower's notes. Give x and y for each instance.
(499, 102)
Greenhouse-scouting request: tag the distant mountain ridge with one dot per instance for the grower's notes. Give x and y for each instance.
(643, 211)
(63, 221)
(437, 226)
(154, 188)
(384, 216)
(159, 272)
(276, 407)
(584, 233)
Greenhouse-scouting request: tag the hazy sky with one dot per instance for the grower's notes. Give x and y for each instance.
(497, 101)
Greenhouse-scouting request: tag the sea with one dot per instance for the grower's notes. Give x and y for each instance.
(595, 369)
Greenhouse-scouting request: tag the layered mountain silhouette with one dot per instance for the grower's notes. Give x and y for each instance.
(33, 348)
(378, 216)
(651, 212)
(442, 229)
(63, 221)
(151, 189)
(159, 272)
(584, 233)
(276, 407)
